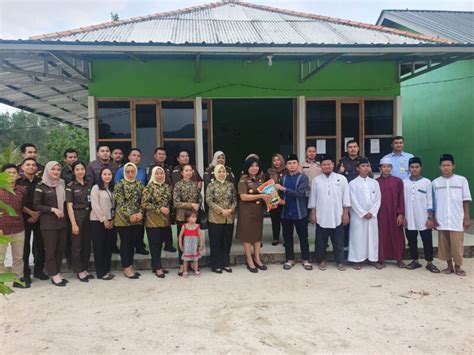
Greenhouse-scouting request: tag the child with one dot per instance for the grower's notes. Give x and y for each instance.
(451, 197)
(191, 242)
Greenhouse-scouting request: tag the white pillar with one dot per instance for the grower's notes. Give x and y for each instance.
(300, 126)
(199, 136)
(398, 116)
(92, 126)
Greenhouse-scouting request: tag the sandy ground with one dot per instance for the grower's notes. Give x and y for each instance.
(277, 311)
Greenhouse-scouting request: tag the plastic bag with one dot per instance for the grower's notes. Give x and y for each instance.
(269, 188)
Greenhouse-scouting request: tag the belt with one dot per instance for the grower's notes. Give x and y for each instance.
(81, 209)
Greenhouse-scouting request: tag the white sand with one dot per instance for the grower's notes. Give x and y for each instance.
(276, 311)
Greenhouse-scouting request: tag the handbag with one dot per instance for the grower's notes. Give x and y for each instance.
(202, 218)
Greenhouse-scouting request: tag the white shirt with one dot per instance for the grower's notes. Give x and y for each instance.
(365, 196)
(329, 195)
(418, 200)
(448, 197)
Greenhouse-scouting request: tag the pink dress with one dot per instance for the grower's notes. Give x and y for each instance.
(191, 240)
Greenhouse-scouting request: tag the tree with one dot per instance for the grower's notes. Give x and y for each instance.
(62, 138)
(114, 16)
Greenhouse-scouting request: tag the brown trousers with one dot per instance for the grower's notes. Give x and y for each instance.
(81, 243)
(54, 245)
(451, 246)
(17, 254)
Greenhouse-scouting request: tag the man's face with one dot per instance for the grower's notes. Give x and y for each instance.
(311, 153)
(13, 173)
(353, 149)
(292, 165)
(104, 153)
(70, 158)
(397, 145)
(117, 155)
(446, 167)
(30, 152)
(386, 169)
(183, 158)
(135, 157)
(29, 167)
(160, 156)
(415, 169)
(327, 166)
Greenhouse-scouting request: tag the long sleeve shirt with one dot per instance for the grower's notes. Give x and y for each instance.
(219, 197)
(102, 202)
(128, 196)
(185, 193)
(154, 198)
(294, 195)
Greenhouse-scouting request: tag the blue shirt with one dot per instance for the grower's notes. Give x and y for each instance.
(141, 175)
(400, 164)
(294, 195)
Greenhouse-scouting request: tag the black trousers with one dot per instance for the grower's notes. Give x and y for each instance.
(179, 225)
(140, 237)
(337, 240)
(426, 238)
(156, 238)
(275, 216)
(81, 243)
(168, 241)
(301, 226)
(114, 240)
(128, 236)
(220, 240)
(102, 246)
(54, 244)
(38, 249)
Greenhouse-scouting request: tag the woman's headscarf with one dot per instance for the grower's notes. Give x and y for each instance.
(125, 172)
(216, 155)
(216, 172)
(153, 176)
(273, 170)
(56, 183)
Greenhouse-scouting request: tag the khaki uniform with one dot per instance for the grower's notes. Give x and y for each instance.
(250, 219)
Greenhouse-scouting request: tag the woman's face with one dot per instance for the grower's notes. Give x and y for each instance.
(187, 172)
(56, 171)
(80, 171)
(276, 162)
(159, 175)
(253, 170)
(221, 159)
(130, 173)
(221, 174)
(106, 176)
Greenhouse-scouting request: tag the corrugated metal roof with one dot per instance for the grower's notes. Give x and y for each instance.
(457, 26)
(235, 22)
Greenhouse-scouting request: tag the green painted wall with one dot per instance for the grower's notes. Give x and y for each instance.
(233, 78)
(438, 117)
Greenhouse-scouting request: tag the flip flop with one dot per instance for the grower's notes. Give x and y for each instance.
(341, 267)
(447, 271)
(461, 273)
(356, 267)
(307, 266)
(287, 266)
(322, 268)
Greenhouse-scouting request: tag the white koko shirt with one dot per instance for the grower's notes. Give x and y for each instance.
(448, 197)
(329, 195)
(418, 200)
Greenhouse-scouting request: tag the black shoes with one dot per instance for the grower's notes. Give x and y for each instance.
(18, 285)
(275, 242)
(261, 267)
(59, 284)
(84, 279)
(228, 269)
(142, 251)
(41, 276)
(217, 271)
(170, 249)
(252, 269)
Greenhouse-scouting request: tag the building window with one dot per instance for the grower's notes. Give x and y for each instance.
(114, 120)
(177, 122)
(146, 131)
(321, 126)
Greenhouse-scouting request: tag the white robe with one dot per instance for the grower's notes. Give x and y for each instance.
(364, 233)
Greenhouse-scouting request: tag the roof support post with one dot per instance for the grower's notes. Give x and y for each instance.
(92, 117)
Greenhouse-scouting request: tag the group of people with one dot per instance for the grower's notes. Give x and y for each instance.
(72, 209)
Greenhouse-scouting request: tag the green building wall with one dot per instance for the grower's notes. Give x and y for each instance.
(237, 79)
(438, 117)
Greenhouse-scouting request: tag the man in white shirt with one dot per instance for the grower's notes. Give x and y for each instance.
(329, 202)
(365, 203)
(399, 158)
(418, 215)
(451, 197)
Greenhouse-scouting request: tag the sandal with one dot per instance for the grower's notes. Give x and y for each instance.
(413, 265)
(307, 265)
(197, 273)
(185, 274)
(460, 272)
(356, 266)
(401, 264)
(432, 267)
(287, 266)
(322, 266)
(341, 267)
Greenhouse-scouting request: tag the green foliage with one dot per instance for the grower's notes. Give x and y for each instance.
(50, 137)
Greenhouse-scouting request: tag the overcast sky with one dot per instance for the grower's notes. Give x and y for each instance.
(24, 18)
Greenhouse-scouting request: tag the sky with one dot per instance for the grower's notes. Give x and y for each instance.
(20, 19)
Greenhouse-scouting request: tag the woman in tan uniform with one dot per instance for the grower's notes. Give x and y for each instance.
(251, 208)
